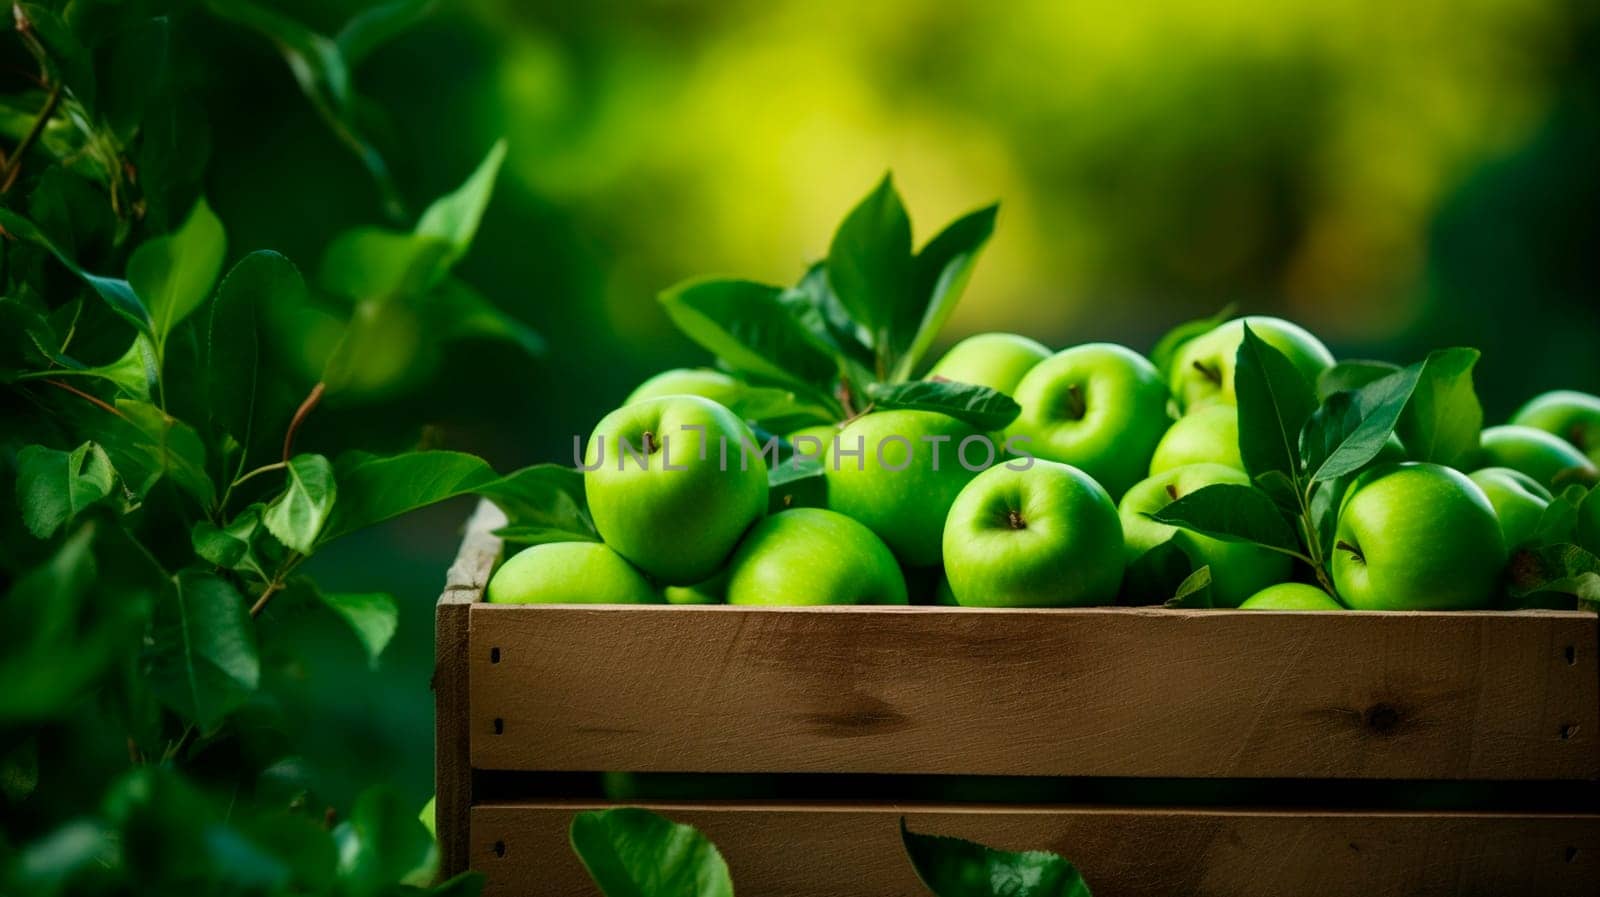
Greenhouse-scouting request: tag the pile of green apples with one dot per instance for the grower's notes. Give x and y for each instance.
(1238, 465)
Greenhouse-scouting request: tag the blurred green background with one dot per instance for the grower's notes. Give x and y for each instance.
(1394, 176)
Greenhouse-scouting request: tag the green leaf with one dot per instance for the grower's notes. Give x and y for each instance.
(380, 844)
(1156, 573)
(373, 616)
(1564, 568)
(201, 659)
(244, 544)
(374, 488)
(1167, 347)
(118, 294)
(631, 852)
(377, 25)
(1194, 592)
(297, 516)
(953, 867)
(744, 325)
(870, 265)
(459, 312)
(814, 305)
(1558, 522)
(164, 445)
(939, 276)
(1350, 428)
(173, 274)
(239, 399)
(1233, 512)
(370, 263)
(135, 373)
(1351, 375)
(53, 486)
(1274, 403)
(979, 406)
(1443, 421)
(454, 217)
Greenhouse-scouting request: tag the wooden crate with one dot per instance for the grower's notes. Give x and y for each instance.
(1504, 701)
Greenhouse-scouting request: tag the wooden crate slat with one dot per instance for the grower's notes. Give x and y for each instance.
(842, 851)
(464, 584)
(1095, 692)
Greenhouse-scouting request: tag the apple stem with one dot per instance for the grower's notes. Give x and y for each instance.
(1355, 553)
(650, 445)
(1015, 520)
(1210, 373)
(1075, 404)
(1172, 491)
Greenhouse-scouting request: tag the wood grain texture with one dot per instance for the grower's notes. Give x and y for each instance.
(842, 851)
(464, 584)
(1097, 692)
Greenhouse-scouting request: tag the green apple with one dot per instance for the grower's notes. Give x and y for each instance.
(1291, 596)
(1047, 536)
(1519, 501)
(1572, 415)
(1202, 371)
(673, 483)
(569, 573)
(898, 472)
(995, 360)
(1238, 569)
(703, 382)
(1099, 407)
(1417, 537)
(813, 556)
(1549, 459)
(1208, 435)
(711, 591)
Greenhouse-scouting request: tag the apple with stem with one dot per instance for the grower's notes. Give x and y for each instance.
(1047, 536)
(1202, 369)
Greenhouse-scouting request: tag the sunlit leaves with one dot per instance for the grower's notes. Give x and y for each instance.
(1444, 419)
(54, 486)
(631, 852)
(743, 323)
(1274, 403)
(297, 516)
(173, 274)
(953, 867)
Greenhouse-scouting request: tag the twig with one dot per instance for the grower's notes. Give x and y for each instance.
(266, 595)
(8, 175)
(300, 415)
(96, 400)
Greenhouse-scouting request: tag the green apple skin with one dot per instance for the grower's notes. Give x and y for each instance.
(569, 573)
(1047, 536)
(813, 556)
(1538, 454)
(1417, 537)
(1238, 569)
(677, 513)
(1202, 371)
(1291, 596)
(703, 382)
(1518, 499)
(905, 507)
(995, 360)
(1100, 407)
(1572, 415)
(1208, 435)
(711, 591)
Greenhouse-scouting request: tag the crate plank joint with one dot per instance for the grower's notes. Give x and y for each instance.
(1124, 693)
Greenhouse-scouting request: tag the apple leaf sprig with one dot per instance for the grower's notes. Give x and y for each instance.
(638, 853)
(848, 336)
(1303, 443)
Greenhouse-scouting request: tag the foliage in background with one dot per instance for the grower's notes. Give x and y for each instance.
(159, 497)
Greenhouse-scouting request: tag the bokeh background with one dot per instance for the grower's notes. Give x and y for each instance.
(1394, 176)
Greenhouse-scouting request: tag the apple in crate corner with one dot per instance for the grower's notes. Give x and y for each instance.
(813, 556)
(664, 494)
(569, 573)
(1099, 407)
(1202, 371)
(1047, 536)
(995, 360)
(1417, 537)
(901, 485)
(1238, 569)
